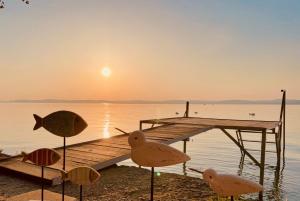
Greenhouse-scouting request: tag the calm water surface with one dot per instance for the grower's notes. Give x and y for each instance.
(210, 149)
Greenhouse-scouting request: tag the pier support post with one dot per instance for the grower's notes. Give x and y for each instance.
(262, 161)
(187, 108)
(141, 125)
(184, 145)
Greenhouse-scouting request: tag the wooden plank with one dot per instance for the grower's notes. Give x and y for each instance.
(219, 123)
(18, 167)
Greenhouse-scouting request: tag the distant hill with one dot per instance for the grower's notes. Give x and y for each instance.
(274, 101)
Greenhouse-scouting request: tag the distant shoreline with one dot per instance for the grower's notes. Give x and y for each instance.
(203, 102)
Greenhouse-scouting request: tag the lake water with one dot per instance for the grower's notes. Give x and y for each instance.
(210, 149)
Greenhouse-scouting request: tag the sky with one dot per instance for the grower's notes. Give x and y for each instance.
(156, 50)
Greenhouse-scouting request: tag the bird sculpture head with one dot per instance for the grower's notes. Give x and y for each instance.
(136, 139)
(209, 175)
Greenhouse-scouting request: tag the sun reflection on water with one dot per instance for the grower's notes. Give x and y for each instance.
(106, 123)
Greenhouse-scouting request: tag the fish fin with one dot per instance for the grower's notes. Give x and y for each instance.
(38, 122)
(25, 156)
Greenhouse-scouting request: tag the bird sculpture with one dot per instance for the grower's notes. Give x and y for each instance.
(226, 185)
(153, 154)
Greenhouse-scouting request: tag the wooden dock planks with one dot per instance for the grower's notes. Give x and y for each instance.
(218, 123)
(100, 153)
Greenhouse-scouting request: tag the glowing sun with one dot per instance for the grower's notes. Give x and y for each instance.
(106, 72)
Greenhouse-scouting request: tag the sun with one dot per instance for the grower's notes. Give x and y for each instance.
(106, 72)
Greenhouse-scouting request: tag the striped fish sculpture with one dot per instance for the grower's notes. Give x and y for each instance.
(42, 157)
(82, 175)
(61, 123)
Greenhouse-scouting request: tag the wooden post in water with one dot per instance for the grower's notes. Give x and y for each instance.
(141, 125)
(283, 120)
(187, 108)
(262, 161)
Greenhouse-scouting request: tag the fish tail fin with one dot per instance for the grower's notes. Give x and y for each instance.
(25, 156)
(38, 122)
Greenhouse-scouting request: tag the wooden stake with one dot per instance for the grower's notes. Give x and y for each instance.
(262, 161)
(187, 108)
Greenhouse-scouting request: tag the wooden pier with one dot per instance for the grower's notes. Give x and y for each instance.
(99, 154)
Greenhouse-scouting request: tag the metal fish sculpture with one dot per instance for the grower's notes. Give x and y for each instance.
(42, 157)
(61, 123)
(81, 175)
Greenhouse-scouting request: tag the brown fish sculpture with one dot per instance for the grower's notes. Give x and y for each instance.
(153, 154)
(61, 123)
(42, 157)
(82, 175)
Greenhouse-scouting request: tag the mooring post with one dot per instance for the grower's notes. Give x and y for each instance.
(284, 110)
(184, 146)
(141, 125)
(187, 108)
(262, 161)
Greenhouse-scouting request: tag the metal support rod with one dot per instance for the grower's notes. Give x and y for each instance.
(262, 161)
(42, 194)
(244, 150)
(184, 146)
(152, 184)
(64, 168)
(81, 193)
(187, 108)
(231, 198)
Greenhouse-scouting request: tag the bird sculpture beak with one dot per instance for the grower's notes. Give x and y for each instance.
(122, 131)
(194, 170)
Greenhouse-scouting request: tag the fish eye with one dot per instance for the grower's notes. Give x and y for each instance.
(210, 177)
(135, 138)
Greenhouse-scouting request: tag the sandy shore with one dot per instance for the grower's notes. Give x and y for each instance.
(121, 183)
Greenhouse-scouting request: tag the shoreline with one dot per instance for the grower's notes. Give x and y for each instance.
(120, 183)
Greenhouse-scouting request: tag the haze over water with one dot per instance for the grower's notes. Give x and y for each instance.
(209, 149)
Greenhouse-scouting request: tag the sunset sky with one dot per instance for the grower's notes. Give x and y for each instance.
(168, 49)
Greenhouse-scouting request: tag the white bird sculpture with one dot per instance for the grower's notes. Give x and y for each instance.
(153, 154)
(226, 185)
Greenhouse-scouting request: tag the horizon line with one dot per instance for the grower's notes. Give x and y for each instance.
(170, 101)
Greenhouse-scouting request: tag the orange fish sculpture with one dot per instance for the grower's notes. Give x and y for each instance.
(82, 175)
(42, 157)
(61, 123)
